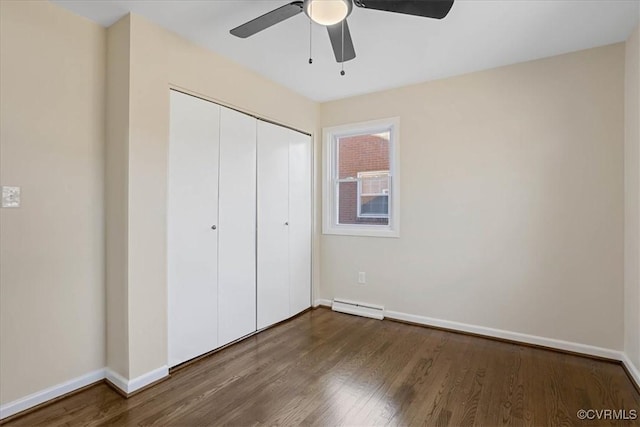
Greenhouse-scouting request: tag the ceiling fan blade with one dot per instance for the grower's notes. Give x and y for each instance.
(335, 35)
(267, 20)
(437, 9)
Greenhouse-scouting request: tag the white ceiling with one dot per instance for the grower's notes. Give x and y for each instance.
(392, 49)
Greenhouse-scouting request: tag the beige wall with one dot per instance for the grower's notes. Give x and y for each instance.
(116, 196)
(160, 60)
(52, 97)
(632, 198)
(512, 200)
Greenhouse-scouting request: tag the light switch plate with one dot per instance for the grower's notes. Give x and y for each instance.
(10, 197)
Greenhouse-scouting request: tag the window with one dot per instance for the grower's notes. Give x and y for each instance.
(361, 186)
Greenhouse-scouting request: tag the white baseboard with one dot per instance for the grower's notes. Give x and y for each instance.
(47, 394)
(632, 368)
(508, 335)
(42, 396)
(322, 302)
(129, 386)
(116, 379)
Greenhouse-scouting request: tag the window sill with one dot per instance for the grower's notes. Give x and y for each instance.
(362, 231)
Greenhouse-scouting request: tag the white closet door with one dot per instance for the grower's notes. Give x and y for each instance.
(273, 218)
(299, 222)
(237, 228)
(192, 243)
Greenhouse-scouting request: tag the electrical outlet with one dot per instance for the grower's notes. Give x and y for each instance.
(362, 278)
(10, 197)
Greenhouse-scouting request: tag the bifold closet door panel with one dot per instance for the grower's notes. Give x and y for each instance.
(237, 228)
(300, 222)
(192, 242)
(273, 219)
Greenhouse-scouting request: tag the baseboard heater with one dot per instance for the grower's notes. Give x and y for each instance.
(358, 308)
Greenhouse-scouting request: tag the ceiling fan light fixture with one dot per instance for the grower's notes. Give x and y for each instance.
(327, 12)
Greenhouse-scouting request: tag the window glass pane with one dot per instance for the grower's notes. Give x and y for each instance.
(374, 183)
(348, 202)
(362, 153)
(365, 159)
(376, 207)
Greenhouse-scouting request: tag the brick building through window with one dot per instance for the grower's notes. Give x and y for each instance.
(364, 159)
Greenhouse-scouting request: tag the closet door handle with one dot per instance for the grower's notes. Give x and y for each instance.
(286, 223)
(213, 227)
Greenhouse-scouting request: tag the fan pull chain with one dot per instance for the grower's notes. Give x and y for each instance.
(310, 41)
(342, 71)
(310, 34)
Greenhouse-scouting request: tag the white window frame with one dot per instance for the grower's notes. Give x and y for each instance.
(330, 208)
(360, 194)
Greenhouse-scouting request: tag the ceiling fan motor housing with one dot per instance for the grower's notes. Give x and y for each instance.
(327, 12)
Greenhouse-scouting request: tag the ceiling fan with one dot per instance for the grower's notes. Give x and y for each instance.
(333, 15)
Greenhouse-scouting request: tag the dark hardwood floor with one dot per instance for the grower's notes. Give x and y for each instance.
(325, 368)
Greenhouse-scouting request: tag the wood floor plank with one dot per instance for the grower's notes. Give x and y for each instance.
(327, 369)
(379, 404)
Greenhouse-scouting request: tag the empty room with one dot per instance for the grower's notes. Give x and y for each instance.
(320, 212)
